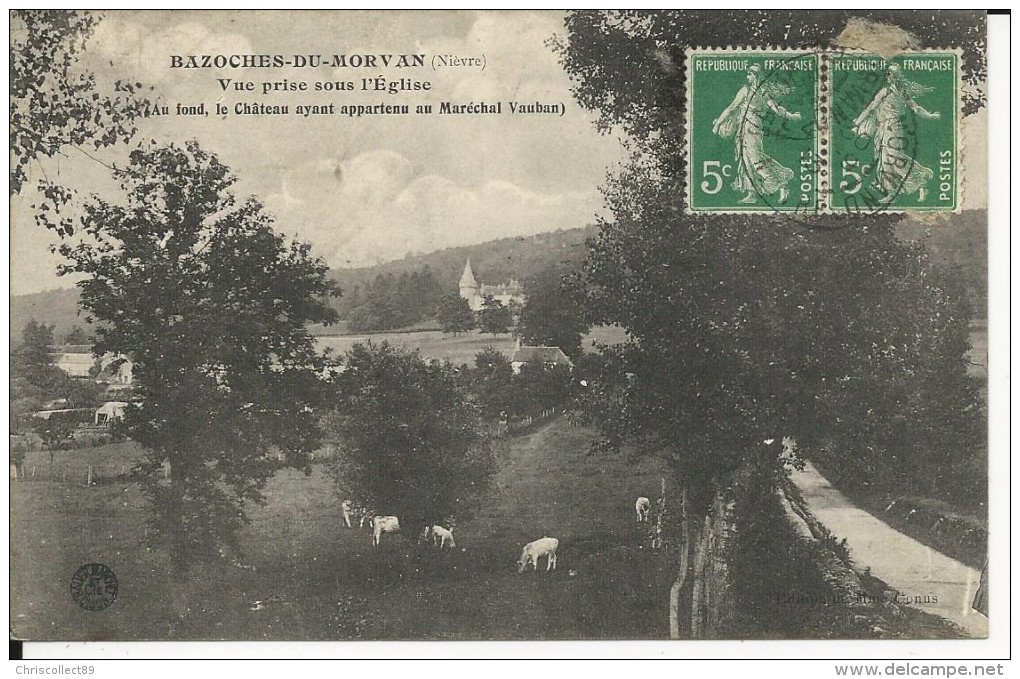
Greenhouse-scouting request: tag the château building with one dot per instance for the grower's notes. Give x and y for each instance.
(475, 293)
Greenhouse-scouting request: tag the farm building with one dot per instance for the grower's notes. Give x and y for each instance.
(116, 371)
(74, 363)
(78, 361)
(110, 412)
(547, 356)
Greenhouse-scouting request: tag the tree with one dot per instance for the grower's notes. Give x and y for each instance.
(53, 105)
(454, 314)
(552, 315)
(492, 382)
(745, 330)
(407, 435)
(211, 305)
(76, 336)
(493, 317)
(56, 429)
(32, 362)
(36, 345)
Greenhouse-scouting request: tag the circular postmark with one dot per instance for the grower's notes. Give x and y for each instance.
(866, 142)
(94, 586)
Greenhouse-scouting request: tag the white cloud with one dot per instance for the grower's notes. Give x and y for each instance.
(374, 207)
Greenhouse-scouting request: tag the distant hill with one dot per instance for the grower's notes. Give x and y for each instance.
(961, 243)
(53, 307)
(493, 262)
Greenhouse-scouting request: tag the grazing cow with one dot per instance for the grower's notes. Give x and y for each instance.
(345, 510)
(439, 536)
(642, 507)
(383, 524)
(534, 550)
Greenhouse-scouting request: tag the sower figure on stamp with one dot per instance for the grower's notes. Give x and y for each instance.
(744, 119)
(896, 170)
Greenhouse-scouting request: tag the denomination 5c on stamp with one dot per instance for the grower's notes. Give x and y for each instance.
(893, 131)
(752, 131)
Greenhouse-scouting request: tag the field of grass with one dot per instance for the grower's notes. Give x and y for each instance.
(317, 581)
(459, 349)
(431, 344)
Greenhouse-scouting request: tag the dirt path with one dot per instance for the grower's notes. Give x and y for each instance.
(927, 579)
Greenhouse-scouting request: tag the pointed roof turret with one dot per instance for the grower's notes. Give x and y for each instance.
(467, 279)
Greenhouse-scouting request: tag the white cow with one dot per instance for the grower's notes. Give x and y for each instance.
(439, 535)
(641, 507)
(534, 550)
(383, 524)
(345, 510)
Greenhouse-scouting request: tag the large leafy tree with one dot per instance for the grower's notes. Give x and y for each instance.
(55, 104)
(454, 314)
(552, 314)
(210, 304)
(34, 356)
(407, 435)
(493, 317)
(746, 329)
(492, 382)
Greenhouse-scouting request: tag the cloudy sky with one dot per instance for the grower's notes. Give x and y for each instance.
(372, 189)
(361, 190)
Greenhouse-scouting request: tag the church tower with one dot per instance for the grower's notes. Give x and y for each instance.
(468, 285)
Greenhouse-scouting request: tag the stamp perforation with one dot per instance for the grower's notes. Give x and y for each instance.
(824, 111)
(750, 51)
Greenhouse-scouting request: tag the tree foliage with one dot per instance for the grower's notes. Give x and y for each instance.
(54, 104)
(535, 388)
(750, 328)
(407, 435)
(76, 335)
(210, 304)
(454, 314)
(746, 328)
(493, 317)
(492, 382)
(34, 354)
(390, 301)
(35, 380)
(552, 314)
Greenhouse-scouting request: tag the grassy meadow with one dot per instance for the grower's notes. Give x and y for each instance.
(315, 580)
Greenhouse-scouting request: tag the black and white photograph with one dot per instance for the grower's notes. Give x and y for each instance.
(448, 326)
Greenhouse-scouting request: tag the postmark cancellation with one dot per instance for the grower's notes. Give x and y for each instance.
(778, 130)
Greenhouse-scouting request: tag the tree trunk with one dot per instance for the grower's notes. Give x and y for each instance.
(681, 576)
(699, 584)
(175, 517)
(178, 566)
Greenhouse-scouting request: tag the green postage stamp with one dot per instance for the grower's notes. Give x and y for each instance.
(812, 132)
(893, 131)
(752, 131)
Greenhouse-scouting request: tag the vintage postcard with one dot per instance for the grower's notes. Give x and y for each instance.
(499, 325)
